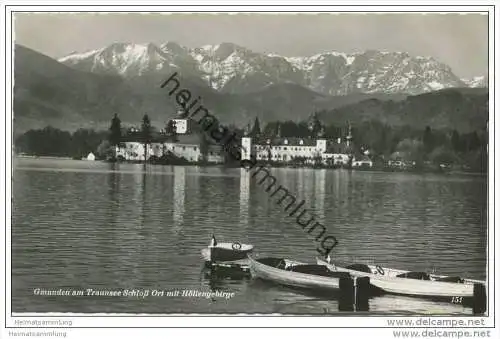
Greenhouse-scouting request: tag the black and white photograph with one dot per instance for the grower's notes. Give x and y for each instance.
(325, 168)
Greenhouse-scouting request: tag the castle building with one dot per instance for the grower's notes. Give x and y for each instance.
(182, 141)
(290, 150)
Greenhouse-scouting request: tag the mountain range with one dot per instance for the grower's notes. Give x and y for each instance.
(230, 68)
(236, 84)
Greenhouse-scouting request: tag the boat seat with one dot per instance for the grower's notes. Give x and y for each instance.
(273, 262)
(450, 279)
(282, 264)
(318, 270)
(415, 275)
(359, 268)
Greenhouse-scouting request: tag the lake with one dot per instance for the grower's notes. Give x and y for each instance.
(82, 224)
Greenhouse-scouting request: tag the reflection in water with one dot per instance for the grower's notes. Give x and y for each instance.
(308, 189)
(144, 207)
(114, 183)
(111, 226)
(244, 196)
(221, 279)
(179, 195)
(138, 187)
(319, 194)
(300, 185)
(130, 240)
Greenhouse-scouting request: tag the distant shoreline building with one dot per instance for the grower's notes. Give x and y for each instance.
(90, 157)
(183, 139)
(298, 150)
(294, 150)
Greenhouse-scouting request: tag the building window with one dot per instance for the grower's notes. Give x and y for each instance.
(284, 148)
(183, 148)
(195, 148)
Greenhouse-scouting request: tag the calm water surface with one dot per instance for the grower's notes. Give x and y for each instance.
(79, 225)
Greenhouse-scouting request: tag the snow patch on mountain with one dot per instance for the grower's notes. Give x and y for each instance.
(434, 85)
(478, 81)
(233, 68)
(75, 57)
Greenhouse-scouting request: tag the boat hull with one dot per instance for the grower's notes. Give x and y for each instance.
(388, 282)
(224, 252)
(469, 293)
(264, 271)
(352, 293)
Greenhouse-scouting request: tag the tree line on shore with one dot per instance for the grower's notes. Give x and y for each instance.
(51, 141)
(381, 141)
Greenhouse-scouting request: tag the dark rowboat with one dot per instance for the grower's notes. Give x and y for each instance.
(226, 251)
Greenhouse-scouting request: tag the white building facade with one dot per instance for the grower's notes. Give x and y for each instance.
(134, 151)
(187, 146)
(285, 150)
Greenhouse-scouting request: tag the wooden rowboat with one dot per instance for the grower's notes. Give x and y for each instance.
(290, 273)
(352, 292)
(467, 292)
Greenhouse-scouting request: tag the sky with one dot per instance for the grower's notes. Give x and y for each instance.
(458, 40)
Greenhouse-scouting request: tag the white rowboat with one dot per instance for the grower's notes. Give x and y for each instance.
(467, 292)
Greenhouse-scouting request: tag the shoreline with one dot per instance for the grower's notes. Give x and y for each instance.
(49, 157)
(373, 170)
